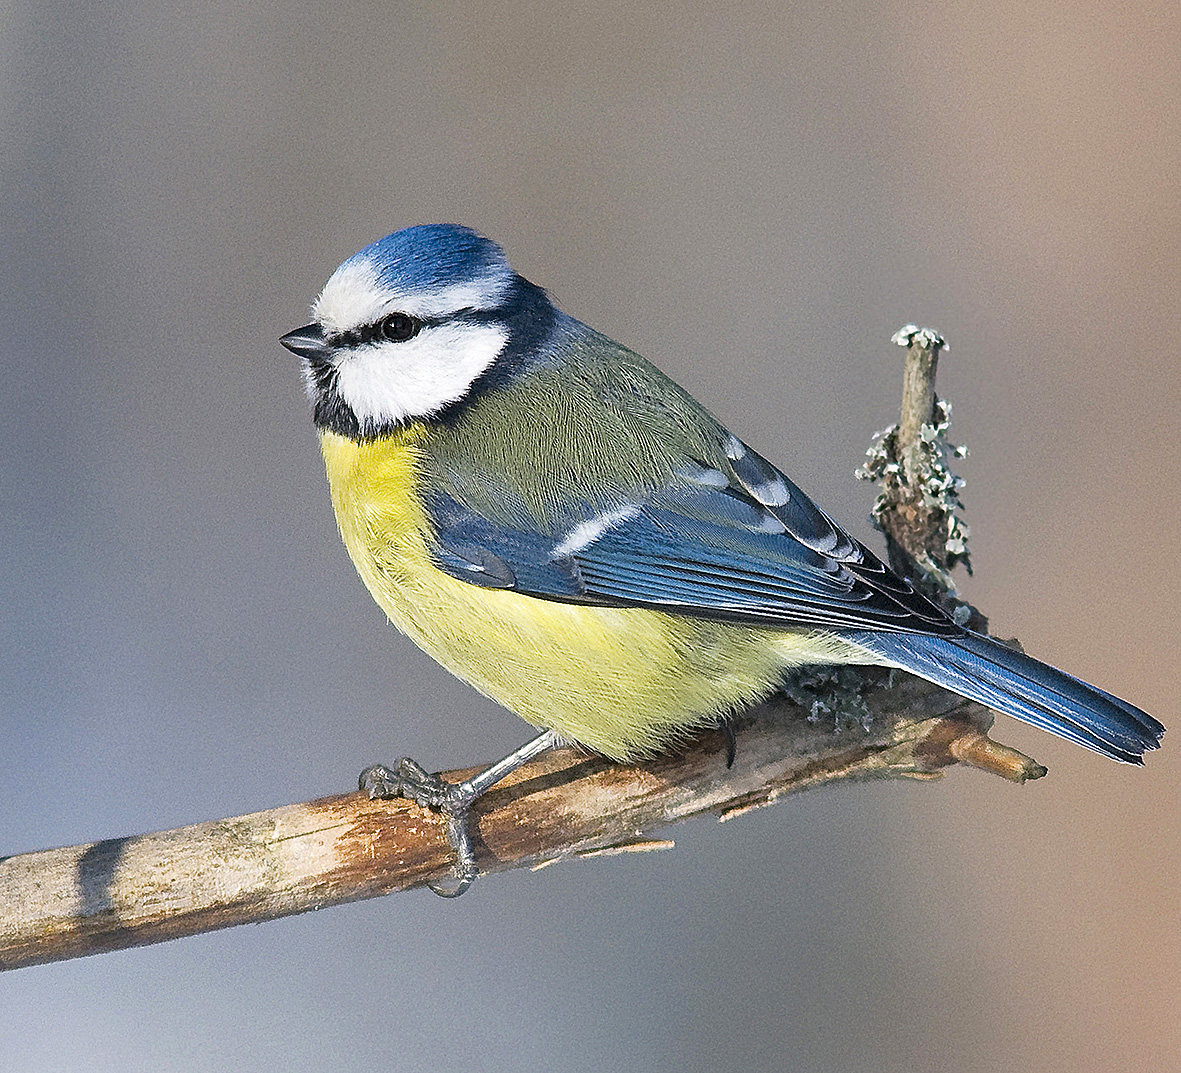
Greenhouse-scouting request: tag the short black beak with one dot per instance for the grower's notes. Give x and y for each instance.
(308, 341)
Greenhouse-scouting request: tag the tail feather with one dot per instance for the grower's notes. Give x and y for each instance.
(980, 669)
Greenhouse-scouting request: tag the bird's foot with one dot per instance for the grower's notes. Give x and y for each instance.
(412, 781)
(453, 799)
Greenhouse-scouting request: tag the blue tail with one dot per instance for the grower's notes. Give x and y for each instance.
(980, 669)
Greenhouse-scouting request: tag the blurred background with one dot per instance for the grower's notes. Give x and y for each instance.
(755, 197)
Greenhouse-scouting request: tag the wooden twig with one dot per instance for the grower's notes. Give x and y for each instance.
(918, 506)
(123, 892)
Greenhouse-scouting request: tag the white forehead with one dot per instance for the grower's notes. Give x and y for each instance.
(355, 295)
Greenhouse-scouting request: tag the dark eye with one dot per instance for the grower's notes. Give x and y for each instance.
(398, 327)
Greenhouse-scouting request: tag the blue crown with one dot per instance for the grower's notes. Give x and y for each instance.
(428, 257)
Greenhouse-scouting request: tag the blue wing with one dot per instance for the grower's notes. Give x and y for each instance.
(748, 546)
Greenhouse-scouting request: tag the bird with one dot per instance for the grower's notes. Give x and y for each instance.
(565, 528)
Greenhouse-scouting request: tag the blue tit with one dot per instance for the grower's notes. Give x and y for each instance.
(562, 526)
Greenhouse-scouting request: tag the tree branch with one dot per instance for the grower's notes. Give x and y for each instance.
(854, 723)
(122, 892)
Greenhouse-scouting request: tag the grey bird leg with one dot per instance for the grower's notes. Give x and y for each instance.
(454, 800)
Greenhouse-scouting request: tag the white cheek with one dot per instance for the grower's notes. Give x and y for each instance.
(390, 382)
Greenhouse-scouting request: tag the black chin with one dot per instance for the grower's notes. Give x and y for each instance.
(330, 412)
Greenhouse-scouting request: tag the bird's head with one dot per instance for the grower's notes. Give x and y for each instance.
(405, 328)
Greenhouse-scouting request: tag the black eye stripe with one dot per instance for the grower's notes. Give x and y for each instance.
(376, 333)
(394, 327)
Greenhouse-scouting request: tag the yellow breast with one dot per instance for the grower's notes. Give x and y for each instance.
(623, 681)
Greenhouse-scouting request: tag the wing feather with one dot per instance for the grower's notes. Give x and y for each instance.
(696, 548)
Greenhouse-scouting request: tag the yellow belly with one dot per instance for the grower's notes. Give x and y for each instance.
(623, 681)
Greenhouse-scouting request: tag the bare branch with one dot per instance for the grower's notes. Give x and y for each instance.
(123, 892)
(918, 507)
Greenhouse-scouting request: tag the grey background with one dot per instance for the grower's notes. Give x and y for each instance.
(754, 196)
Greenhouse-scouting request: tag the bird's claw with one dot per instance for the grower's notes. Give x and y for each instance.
(413, 782)
(410, 780)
